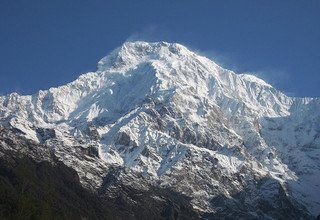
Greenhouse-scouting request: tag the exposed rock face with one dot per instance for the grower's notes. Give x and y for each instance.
(91, 151)
(172, 119)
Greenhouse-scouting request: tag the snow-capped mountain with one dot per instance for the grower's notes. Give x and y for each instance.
(169, 117)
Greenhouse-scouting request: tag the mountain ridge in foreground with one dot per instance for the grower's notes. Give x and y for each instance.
(159, 115)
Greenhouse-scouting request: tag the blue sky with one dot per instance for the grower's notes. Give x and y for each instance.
(50, 43)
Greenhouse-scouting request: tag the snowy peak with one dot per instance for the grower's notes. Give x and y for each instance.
(164, 111)
(178, 68)
(140, 71)
(132, 53)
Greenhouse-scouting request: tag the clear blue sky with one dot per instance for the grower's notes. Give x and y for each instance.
(49, 43)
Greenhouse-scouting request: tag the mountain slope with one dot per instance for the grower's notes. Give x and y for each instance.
(35, 185)
(173, 118)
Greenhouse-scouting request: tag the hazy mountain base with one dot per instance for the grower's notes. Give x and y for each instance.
(48, 189)
(32, 189)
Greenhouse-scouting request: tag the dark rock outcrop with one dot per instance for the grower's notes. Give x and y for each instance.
(45, 134)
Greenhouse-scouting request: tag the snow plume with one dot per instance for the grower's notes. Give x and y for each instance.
(152, 33)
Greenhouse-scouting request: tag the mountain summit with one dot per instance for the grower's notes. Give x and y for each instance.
(160, 115)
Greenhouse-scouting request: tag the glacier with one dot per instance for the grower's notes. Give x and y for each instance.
(173, 118)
